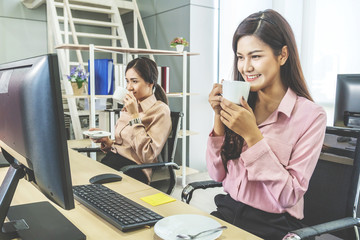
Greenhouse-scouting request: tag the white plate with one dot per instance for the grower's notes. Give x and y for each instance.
(168, 227)
(97, 134)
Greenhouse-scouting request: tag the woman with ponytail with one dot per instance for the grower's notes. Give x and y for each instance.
(264, 151)
(144, 123)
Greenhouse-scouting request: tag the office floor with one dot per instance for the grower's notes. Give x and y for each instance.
(204, 199)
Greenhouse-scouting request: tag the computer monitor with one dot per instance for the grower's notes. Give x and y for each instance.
(33, 141)
(347, 102)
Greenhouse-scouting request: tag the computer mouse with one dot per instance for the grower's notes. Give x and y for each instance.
(105, 178)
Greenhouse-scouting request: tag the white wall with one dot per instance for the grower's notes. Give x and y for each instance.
(22, 31)
(203, 73)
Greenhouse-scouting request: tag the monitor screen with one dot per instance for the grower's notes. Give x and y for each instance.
(32, 127)
(347, 101)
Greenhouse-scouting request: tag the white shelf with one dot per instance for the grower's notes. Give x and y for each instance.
(169, 95)
(140, 51)
(188, 133)
(84, 112)
(175, 95)
(87, 96)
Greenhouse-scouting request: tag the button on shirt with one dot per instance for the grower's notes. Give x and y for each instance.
(274, 174)
(143, 142)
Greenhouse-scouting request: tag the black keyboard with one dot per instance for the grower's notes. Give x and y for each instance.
(120, 211)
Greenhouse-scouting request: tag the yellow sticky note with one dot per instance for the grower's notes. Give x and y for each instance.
(158, 199)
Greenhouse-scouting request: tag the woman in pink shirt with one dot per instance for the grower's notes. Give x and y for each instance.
(144, 123)
(265, 151)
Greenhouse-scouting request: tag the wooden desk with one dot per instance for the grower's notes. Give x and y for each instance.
(94, 227)
(81, 143)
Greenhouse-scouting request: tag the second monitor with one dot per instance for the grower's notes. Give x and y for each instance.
(347, 102)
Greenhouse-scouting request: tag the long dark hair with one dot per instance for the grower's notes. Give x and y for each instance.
(270, 27)
(147, 69)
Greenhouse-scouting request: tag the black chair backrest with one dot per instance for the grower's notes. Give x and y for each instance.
(166, 184)
(334, 187)
(169, 149)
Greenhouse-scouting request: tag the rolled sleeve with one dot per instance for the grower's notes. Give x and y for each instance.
(213, 158)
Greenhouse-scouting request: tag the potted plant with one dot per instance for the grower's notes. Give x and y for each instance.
(179, 43)
(78, 79)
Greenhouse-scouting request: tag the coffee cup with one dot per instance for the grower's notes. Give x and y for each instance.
(235, 90)
(119, 94)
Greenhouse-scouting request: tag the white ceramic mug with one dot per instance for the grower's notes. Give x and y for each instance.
(235, 90)
(120, 94)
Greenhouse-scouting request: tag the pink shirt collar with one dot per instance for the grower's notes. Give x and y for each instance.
(286, 107)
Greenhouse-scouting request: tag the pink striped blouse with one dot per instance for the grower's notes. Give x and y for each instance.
(273, 175)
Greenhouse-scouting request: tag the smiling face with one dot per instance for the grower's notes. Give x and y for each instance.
(258, 65)
(137, 85)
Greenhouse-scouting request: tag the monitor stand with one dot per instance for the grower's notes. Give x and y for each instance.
(37, 221)
(3, 162)
(44, 222)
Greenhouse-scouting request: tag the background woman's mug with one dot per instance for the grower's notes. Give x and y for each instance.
(235, 90)
(119, 94)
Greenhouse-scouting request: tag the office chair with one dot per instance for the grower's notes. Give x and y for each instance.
(331, 202)
(163, 175)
